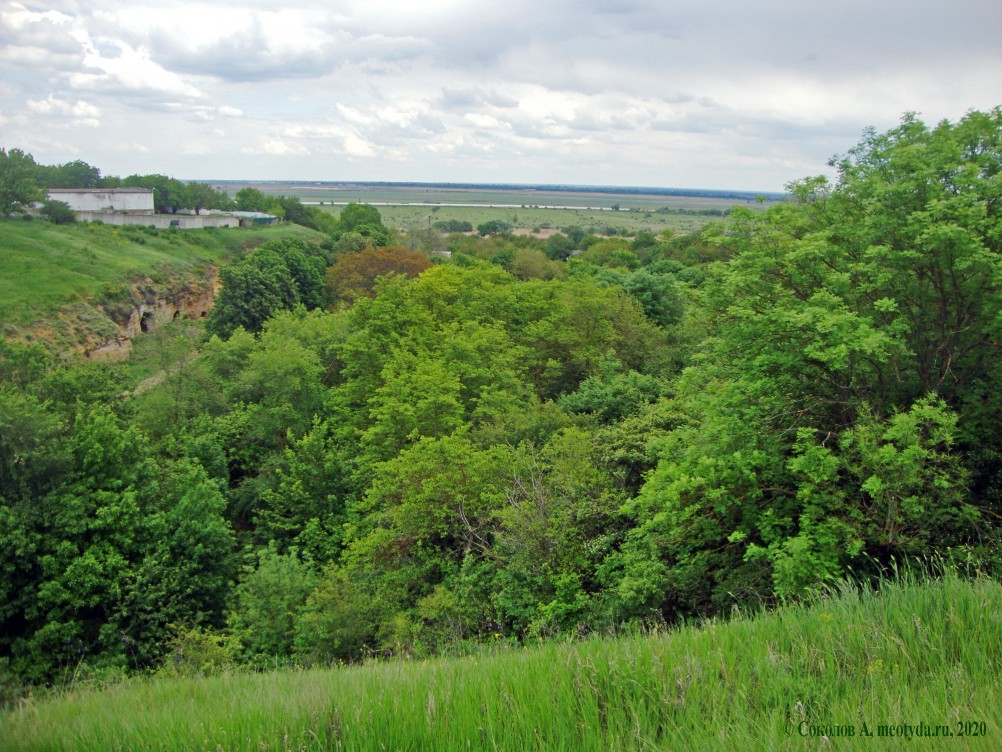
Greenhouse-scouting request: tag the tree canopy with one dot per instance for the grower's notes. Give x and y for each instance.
(366, 451)
(18, 186)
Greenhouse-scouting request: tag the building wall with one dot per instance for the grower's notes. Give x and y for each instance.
(161, 221)
(96, 200)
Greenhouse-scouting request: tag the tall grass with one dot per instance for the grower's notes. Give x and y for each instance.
(918, 653)
(45, 266)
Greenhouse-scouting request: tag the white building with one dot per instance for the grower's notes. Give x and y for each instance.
(131, 200)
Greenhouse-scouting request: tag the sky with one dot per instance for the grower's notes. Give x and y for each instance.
(718, 94)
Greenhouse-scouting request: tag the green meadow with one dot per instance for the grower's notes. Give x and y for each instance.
(917, 659)
(415, 207)
(45, 268)
(591, 220)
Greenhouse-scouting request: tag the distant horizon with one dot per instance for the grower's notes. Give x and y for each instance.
(735, 95)
(639, 190)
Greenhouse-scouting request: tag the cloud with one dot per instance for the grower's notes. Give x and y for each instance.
(275, 147)
(78, 112)
(38, 42)
(256, 45)
(120, 68)
(722, 94)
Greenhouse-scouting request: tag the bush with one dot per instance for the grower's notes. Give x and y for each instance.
(58, 212)
(197, 652)
(453, 225)
(494, 227)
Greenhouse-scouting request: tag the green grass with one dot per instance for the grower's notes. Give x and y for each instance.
(920, 653)
(60, 284)
(592, 211)
(405, 217)
(44, 266)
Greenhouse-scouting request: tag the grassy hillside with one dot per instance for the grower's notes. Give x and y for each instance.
(50, 272)
(918, 658)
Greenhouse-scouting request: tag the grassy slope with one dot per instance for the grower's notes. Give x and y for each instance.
(923, 653)
(48, 270)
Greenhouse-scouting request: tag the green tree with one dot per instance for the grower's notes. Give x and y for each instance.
(269, 600)
(559, 247)
(77, 174)
(90, 536)
(58, 212)
(364, 220)
(201, 196)
(251, 199)
(849, 363)
(277, 276)
(494, 227)
(354, 216)
(532, 263)
(186, 570)
(18, 188)
(169, 195)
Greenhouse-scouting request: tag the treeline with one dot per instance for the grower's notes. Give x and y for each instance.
(24, 182)
(406, 455)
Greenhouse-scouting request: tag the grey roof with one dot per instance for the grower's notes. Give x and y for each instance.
(253, 215)
(136, 189)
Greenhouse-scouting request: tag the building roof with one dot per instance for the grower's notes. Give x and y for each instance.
(252, 215)
(101, 190)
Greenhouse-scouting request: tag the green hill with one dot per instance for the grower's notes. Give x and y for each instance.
(918, 664)
(61, 285)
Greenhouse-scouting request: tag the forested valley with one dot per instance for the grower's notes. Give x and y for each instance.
(367, 450)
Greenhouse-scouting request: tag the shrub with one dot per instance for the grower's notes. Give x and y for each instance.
(58, 212)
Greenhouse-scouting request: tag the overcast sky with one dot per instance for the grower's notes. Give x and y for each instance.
(727, 94)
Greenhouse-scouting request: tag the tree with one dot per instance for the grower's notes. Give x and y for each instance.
(364, 220)
(58, 212)
(452, 225)
(169, 194)
(201, 196)
(355, 216)
(355, 274)
(559, 247)
(294, 211)
(839, 411)
(494, 227)
(251, 199)
(77, 174)
(18, 188)
(277, 276)
(270, 598)
(185, 573)
(532, 263)
(249, 296)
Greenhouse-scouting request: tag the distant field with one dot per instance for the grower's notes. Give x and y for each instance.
(416, 216)
(418, 206)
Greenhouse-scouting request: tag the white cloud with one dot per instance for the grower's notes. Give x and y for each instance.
(78, 112)
(18, 17)
(274, 147)
(720, 94)
(130, 70)
(483, 120)
(356, 146)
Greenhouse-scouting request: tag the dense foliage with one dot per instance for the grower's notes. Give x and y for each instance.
(528, 440)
